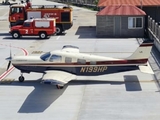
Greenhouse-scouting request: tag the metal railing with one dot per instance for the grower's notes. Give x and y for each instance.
(154, 32)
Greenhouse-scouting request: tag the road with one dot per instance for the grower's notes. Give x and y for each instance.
(122, 96)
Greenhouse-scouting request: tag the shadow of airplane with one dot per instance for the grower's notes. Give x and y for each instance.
(132, 83)
(40, 98)
(44, 95)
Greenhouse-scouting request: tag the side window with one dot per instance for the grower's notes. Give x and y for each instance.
(68, 60)
(81, 61)
(55, 58)
(93, 63)
(26, 24)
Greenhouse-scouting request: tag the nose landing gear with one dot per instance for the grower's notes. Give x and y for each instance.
(21, 78)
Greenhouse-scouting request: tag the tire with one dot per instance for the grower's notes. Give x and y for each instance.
(15, 35)
(42, 35)
(21, 79)
(58, 30)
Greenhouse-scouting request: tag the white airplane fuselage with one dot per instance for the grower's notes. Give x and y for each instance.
(75, 63)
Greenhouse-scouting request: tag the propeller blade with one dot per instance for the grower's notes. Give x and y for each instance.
(9, 58)
(9, 63)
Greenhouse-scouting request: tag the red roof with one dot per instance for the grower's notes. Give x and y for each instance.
(132, 2)
(121, 10)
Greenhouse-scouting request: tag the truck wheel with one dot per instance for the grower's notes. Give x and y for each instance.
(15, 35)
(42, 35)
(58, 30)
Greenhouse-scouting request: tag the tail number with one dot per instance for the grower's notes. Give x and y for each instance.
(94, 69)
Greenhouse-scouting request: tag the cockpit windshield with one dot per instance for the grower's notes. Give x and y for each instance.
(45, 56)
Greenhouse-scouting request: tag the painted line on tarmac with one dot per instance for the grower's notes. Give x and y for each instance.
(25, 52)
(57, 37)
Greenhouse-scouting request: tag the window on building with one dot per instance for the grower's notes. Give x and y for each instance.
(135, 22)
(68, 60)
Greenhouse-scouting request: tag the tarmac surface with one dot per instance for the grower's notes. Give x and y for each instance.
(122, 96)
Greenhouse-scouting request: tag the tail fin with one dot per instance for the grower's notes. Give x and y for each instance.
(143, 51)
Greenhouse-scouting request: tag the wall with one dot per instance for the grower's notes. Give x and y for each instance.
(105, 26)
(153, 12)
(125, 32)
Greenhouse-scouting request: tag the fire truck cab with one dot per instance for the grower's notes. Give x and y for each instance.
(41, 27)
(21, 12)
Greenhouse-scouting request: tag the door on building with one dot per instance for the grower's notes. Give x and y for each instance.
(117, 26)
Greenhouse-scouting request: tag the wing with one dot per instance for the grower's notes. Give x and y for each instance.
(58, 77)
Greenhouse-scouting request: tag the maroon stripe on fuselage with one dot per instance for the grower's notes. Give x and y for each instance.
(115, 62)
(146, 44)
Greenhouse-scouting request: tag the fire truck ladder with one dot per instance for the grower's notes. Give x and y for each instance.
(49, 6)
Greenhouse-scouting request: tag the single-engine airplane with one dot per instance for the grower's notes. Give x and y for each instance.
(61, 66)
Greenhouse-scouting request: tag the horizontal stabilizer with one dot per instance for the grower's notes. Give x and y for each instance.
(146, 69)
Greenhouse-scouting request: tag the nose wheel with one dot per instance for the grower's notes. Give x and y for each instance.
(21, 78)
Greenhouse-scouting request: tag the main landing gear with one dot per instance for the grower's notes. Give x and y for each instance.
(60, 86)
(21, 78)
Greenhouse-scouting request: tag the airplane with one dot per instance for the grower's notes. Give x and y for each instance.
(61, 66)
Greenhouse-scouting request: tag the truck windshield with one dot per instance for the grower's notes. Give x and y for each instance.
(26, 24)
(16, 10)
(45, 56)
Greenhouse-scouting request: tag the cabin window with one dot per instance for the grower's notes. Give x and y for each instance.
(68, 60)
(135, 22)
(81, 61)
(93, 63)
(45, 56)
(55, 58)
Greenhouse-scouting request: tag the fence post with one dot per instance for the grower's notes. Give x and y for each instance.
(156, 28)
(158, 33)
(153, 25)
(149, 25)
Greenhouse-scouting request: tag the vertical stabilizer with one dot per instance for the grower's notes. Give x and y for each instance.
(142, 52)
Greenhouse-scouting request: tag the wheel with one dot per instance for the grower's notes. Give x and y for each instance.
(21, 79)
(15, 35)
(59, 87)
(58, 30)
(42, 35)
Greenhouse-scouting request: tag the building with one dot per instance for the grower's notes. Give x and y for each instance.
(150, 7)
(120, 21)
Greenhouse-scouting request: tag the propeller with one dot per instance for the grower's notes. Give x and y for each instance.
(9, 59)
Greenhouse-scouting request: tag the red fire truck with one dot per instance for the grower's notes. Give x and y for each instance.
(21, 12)
(41, 27)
